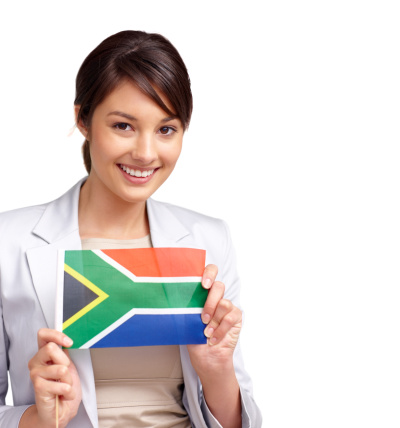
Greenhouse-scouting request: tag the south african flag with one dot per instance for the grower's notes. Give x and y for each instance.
(131, 297)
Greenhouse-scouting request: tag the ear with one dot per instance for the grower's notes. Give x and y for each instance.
(80, 125)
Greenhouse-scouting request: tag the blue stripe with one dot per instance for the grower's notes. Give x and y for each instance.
(146, 330)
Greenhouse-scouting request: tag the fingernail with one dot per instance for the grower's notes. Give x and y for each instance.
(205, 318)
(67, 341)
(208, 331)
(207, 283)
(212, 341)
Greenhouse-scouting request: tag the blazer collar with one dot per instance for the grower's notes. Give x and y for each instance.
(60, 219)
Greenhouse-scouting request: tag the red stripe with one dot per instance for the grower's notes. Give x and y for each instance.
(159, 262)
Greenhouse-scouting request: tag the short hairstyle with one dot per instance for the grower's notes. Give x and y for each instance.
(148, 60)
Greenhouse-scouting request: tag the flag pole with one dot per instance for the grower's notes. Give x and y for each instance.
(56, 411)
(58, 311)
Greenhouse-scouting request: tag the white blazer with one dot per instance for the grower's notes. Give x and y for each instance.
(29, 241)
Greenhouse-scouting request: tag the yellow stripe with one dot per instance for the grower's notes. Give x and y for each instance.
(102, 296)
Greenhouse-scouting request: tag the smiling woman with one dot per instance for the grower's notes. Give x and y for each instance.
(133, 104)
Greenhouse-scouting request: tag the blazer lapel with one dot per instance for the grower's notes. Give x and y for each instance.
(165, 229)
(58, 229)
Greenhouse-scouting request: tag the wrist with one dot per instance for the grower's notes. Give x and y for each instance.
(31, 419)
(212, 373)
(214, 367)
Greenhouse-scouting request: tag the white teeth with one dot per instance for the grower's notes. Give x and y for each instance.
(137, 172)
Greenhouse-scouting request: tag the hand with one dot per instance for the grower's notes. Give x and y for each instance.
(53, 374)
(224, 322)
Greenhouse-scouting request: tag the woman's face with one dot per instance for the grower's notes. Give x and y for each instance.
(134, 144)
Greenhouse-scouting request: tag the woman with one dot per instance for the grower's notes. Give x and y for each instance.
(133, 104)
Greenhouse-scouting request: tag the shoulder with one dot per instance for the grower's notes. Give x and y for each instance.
(16, 228)
(20, 223)
(21, 219)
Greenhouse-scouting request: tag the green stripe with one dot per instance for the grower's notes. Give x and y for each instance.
(124, 295)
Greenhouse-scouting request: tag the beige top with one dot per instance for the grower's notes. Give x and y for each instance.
(139, 386)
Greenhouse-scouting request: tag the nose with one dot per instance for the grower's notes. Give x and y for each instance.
(144, 149)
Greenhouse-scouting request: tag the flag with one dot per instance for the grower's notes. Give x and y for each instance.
(131, 297)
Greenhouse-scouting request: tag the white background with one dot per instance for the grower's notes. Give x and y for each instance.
(294, 141)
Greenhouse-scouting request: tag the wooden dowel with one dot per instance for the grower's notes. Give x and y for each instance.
(56, 411)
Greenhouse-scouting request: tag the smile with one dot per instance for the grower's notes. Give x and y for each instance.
(136, 172)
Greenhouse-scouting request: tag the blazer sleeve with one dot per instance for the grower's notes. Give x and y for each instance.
(251, 415)
(9, 415)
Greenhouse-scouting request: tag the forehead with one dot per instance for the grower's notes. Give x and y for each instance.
(129, 96)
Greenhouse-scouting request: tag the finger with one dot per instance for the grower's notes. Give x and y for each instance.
(231, 320)
(46, 335)
(49, 353)
(55, 372)
(53, 379)
(209, 275)
(50, 388)
(215, 294)
(223, 308)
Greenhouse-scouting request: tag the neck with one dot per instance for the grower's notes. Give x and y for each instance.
(102, 214)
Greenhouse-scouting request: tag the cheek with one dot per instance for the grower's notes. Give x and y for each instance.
(171, 154)
(102, 147)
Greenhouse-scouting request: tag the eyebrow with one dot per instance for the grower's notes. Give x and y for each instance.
(130, 117)
(122, 114)
(169, 118)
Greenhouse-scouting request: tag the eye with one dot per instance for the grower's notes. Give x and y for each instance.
(122, 126)
(167, 130)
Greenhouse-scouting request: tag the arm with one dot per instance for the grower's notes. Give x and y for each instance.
(214, 362)
(224, 380)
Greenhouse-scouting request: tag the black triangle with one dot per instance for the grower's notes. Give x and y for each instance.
(76, 296)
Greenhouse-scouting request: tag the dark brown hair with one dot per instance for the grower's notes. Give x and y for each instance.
(149, 60)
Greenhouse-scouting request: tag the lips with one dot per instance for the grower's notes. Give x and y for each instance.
(137, 172)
